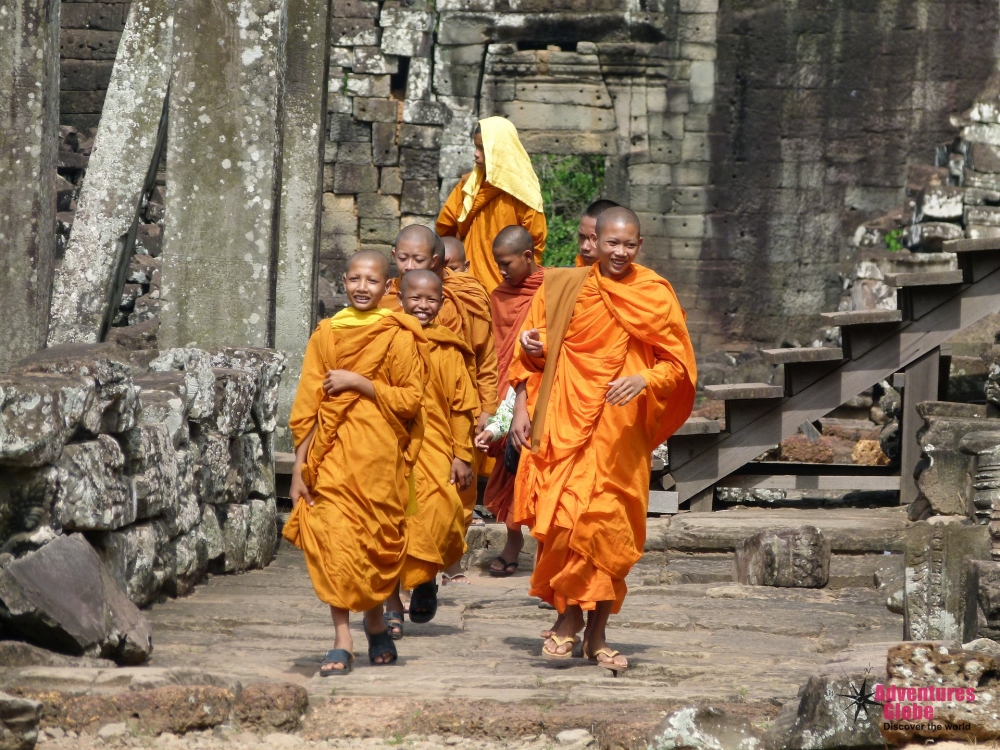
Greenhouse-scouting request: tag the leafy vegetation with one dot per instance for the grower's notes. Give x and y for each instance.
(569, 184)
(894, 241)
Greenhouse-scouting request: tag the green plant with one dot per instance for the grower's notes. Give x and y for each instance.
(569, 184)
(894, 241)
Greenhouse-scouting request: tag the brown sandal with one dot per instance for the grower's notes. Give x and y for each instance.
(559, 642)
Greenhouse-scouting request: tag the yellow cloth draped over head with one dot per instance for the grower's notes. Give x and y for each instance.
(508, 167)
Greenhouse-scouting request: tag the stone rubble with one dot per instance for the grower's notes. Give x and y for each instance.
(788, 558)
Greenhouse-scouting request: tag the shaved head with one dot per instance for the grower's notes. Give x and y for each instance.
(419, 235)
(598, 207)
(513, 239)
(454, 254)
(420, 277)
(418, 247)
(617, 216)
(371, 256)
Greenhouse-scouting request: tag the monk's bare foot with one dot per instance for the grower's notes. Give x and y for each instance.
(562, 641)
(508, 555)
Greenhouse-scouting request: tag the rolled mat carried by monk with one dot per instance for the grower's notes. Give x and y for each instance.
(584, 487)
(355, 535)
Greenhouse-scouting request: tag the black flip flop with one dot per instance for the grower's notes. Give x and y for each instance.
(380, 644)
(336, 656)
(509, 568)
(424, 602)
(394, 622)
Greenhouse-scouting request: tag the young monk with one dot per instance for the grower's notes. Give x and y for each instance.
(586, 234)
(617, 378)
(436, 532)
(513, 252)
(465, 311)
(501, 190)
(454, 255)
(356, 426)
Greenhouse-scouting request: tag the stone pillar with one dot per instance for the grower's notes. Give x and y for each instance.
(939, 598)
(223, 157)
(87, 282)
(301, 193)
(985, 446)
(29, 133)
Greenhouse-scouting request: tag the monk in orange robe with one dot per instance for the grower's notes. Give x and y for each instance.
(509, 302)
(356, 422)
(586, 233)
(454, 255)
(501, 190)
(618, 375)
(465, 311)
(444, 464)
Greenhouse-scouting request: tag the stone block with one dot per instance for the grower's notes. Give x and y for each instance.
(234, 521)
(354, 152)
(983, 216)
(368, 85)
(38, 413)
(354, 32)
(559, 142)
(343, 57)
(190, 554)
(376, 206)
(343, 127)
(703, 727)
(787, 558)
(151, 469)
(199, 380)
(265, 366)
(163, 400)
(391, 181)
(19, 719)
(987, 588)
(338, 214)
(979, 232)
(649, 174)
(461, 80)
(570, 116)
(420, 136)
(425, 113)
(91, 494)
(214, 474)
(930, 235)
(371, 60)
(187, 513)
(939, 597)
(210, 530)
(61, 597)
(983, 157)
(354, 178)
(385, 152)
(420, 197)
(139, 559)
(406, 43)
(412, 19)
(418, 80)
(418, 164)
(267, 705)
(355, 9)
(262, 532)
(379, 231)
(940, 203)
(375, 110)
(464, 27)
(980, 180)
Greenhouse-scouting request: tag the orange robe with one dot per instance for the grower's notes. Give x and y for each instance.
(509, 305)
(584, 488)
(357, 468)
(492, 210)
(437, 529)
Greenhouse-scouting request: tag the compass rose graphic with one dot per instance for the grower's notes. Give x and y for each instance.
(860, 698)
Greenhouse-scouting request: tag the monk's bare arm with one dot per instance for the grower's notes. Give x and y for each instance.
(520, 424)
(337, 381)
(298, 490)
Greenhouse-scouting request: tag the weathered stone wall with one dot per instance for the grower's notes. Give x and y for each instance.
(91, 30)
(164, 460)
(819, 110)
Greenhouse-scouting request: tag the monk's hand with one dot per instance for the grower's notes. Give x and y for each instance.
(481, 422)
(461, 473)
(623, 390)
(531, 342)
(520, 428)
(337, 381)
(298, 490)
(483, 439)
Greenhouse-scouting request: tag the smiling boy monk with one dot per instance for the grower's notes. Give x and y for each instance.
(513, 252)
(618, 376)
(444, 465)
(356, 423)
(586, 233)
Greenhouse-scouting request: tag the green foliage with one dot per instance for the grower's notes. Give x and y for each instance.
(569, 184)
(894, 241)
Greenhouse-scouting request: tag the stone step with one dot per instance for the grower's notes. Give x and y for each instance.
(853, 530)
(743, 391)
(861, 317)
(797, 354)
(927, 278)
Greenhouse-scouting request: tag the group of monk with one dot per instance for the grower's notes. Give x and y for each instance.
(555, 383)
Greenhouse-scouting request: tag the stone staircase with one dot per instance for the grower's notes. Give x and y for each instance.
(876, 344)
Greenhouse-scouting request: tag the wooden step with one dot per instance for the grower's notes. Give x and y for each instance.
(743, 391)
(699, 426)
(861, 317)
(925, 278)
(793, 355)
(818, 482)
(972, 246)
(976, 258)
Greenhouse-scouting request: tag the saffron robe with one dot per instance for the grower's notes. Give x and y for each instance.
(509, 305)
(584, 487)
(492, 210)
(437, 529)
(357, 467)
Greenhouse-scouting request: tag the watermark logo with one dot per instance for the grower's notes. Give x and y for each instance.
(861, 698)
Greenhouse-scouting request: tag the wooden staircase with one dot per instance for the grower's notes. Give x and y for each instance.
(876, 344)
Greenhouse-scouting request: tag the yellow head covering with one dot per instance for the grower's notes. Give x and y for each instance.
(508, 167)
(351, 317)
